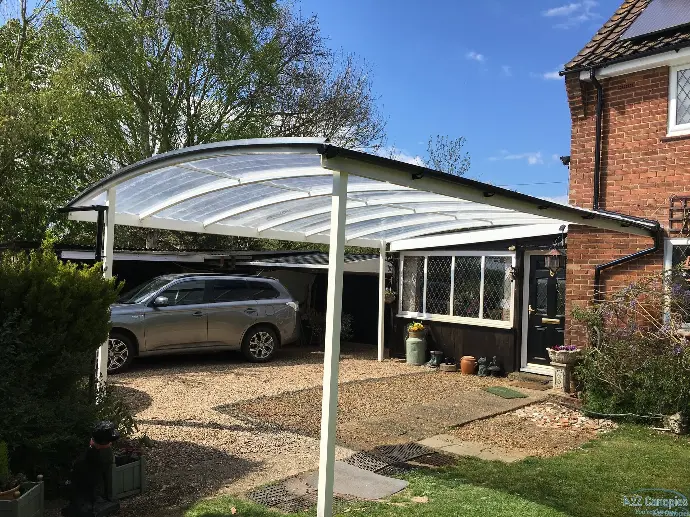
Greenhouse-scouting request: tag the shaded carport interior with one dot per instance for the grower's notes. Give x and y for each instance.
(307, 190)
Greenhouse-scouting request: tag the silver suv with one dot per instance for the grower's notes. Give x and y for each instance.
(197, 312)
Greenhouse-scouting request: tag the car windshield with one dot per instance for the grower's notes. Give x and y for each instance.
(145, 290)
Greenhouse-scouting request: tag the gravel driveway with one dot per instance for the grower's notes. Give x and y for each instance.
(199, 450)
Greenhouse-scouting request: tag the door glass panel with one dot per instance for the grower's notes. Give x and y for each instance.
(467, 277)
(542, 294)
(229, 291)
(497, 283)
(438, 285)
(187, 292)
(413, 283)
(560, 297)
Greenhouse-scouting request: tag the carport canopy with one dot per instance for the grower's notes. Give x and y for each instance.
(307, 190)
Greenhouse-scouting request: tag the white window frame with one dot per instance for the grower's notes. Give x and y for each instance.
(673, 128)
(668, 266)
(480, 321)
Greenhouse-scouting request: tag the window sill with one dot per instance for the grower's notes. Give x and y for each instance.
(676, 135)
(457, 319)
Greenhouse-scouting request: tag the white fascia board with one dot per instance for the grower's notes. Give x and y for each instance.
(670, 58)
(128, 256)
(478, 236)
(218, 229)
(369, 266)
(553, 211)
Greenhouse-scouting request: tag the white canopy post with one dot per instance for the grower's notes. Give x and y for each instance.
(108, 246)
(382, 297)
(334, 302)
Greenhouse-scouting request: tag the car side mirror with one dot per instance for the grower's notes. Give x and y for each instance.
(160, 301)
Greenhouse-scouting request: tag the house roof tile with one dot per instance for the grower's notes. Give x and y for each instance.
(607, 46)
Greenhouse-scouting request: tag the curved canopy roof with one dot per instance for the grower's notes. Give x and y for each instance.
(281, 189)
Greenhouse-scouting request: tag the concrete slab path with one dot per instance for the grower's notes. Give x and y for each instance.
(452, 445)
(418, 421)
(356, 482)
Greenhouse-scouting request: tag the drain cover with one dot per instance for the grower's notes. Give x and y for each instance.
(366, 462)
(271, 495)
(298, 504)
(400, 453)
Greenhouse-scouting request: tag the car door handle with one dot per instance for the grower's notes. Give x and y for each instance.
(250, 311)
(197, 313)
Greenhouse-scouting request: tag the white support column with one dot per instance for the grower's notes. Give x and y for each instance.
(382, 297)
(108, 246)
(334, 302)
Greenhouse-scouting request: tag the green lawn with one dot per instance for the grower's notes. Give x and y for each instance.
(588, 482)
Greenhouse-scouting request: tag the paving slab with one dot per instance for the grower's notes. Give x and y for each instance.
(356, 482)
(452, 445)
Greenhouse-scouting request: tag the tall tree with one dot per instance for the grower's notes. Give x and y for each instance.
(111, 82)
(447, 154)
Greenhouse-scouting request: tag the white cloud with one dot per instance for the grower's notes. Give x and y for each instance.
(551, 76)
(535, 158)
(563, 10)
(475, 56)
(394, 153)
(572, 14)
(507, 70)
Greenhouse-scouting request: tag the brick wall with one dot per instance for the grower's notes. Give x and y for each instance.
(640, 170)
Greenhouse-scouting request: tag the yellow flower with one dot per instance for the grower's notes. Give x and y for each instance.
(415, 327)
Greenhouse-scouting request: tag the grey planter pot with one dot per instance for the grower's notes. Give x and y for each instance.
(30, 504)
(127, 480)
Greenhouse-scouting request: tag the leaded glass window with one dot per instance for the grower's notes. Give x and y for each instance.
(413, 284)
(457, 286)
(438, 285)
(683, 96)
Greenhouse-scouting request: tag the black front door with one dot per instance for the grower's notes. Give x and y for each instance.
(546, 310)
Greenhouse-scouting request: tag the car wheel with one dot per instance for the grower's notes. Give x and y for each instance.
(259, 344)
(120, 353)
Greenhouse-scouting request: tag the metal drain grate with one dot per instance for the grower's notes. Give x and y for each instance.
(297, 504)
(400, 453)
(394, 470)
(366, 461)
(271, 495)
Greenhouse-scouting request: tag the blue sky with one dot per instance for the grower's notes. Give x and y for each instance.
(484, 70)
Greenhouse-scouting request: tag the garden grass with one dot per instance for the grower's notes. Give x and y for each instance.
(587, 482)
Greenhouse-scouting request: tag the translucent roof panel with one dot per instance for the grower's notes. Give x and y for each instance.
(282, 189)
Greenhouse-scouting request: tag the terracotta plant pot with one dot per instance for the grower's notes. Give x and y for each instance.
(12, 493)
(468, 364)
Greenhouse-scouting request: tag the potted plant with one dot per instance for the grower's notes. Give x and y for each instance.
(129, 470)
(564, 354)
(18, 497)
(389, 295)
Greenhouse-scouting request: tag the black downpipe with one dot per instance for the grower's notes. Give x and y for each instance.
(597, 138)
(598, 292)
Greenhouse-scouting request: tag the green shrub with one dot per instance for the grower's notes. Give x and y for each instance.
(53, 318)
(638, 363)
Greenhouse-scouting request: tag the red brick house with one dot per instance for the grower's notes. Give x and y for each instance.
(629, 96)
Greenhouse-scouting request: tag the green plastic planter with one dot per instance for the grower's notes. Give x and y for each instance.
(128, 480)
(29, 504)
